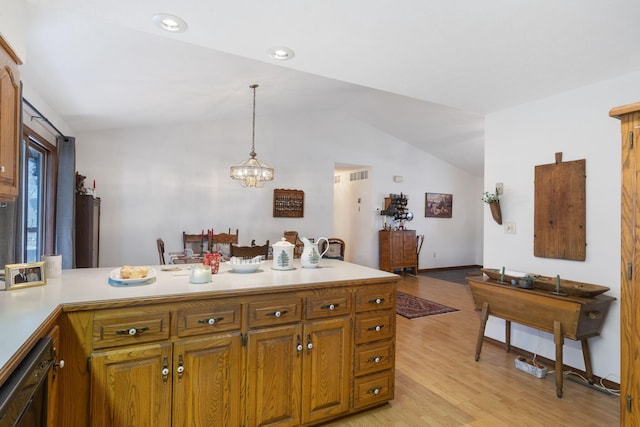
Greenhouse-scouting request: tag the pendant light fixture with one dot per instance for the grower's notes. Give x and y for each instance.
(252, 172)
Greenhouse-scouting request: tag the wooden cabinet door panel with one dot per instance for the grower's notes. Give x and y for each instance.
(9, 128)
(274, 376)
(128, 387)
(206, 381)
(327, 369)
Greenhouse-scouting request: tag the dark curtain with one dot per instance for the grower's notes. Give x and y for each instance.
(65, 200)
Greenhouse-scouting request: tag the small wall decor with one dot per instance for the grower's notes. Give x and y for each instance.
(493, 200)
(288, 203)
(24, 275)
(438, 205)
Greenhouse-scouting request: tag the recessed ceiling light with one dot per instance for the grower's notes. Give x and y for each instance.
(281, 53)
(170, 23)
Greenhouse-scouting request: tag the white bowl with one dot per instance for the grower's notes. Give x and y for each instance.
(244, 268)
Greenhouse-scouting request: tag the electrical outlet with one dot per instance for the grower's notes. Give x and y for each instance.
(510, 228)
(499, 188)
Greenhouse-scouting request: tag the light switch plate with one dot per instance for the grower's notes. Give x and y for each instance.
(510, 228)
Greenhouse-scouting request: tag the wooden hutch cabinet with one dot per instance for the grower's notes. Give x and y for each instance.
(397, 250)
(87, 231)
(10, 105)
(629, 116)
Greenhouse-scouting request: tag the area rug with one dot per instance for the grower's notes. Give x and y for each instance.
(411, 307)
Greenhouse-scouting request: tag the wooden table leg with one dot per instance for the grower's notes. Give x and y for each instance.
(586, 354)
(559, 341)
(507, 335)
(483, 324)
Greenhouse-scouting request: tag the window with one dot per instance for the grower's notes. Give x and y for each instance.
(39, 196)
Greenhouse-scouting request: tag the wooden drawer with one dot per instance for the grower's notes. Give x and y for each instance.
(115, 331)
(328, 305)
(374, 357)
(373, 389)
(275, 312)
(217, 317)
(370, 298)
(374, 327)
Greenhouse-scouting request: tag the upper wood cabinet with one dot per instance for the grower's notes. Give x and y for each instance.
(10, 103)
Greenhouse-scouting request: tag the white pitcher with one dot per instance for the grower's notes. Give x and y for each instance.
(310, 256)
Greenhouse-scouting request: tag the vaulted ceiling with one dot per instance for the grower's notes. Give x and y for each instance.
(423, 71)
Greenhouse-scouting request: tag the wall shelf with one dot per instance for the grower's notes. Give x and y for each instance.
(288, 203)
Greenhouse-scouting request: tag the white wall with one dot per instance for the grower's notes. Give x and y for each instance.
(577, 124)
(13, 18)
(157, 182)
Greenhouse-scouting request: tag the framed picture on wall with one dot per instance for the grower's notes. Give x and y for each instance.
(438, 205)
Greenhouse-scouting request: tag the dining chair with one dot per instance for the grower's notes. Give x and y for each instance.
(292, 237)
(160, 244)
(250, 251)
(336, 248)
(222, 240)
(195, 242)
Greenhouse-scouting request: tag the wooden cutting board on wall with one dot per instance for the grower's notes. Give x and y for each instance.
(560, 210)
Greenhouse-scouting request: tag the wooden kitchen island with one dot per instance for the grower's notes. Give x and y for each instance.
(577, 318)
(278, 348)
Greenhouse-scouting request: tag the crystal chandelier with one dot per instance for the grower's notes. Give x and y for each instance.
(252, 172)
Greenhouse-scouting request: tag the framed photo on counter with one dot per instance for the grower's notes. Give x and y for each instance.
(24, 275)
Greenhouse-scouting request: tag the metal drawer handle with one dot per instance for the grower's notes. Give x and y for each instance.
(329, 307)
(375, 359)
(132, 331)
(375, 390)
(376, 328)
(211, 320)
(376, 301)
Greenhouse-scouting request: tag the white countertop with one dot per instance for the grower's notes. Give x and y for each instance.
(22, 311)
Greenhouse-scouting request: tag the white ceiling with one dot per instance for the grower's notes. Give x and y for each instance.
(422, 71)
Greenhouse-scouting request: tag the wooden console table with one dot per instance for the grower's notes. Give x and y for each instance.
(572, 317)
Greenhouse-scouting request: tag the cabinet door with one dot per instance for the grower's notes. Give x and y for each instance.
(206, 381)
(409, 248)
(131, 386)
(397, 249)
(9, 128)
(327, 369)
(629, 283)
(274, 375)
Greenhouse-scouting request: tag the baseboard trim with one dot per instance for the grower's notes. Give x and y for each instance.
(459, 267)
(551, 363)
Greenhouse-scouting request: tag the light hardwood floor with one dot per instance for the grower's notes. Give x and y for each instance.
(438, 382)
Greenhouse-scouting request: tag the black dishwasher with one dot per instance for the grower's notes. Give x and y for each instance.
(23, 397)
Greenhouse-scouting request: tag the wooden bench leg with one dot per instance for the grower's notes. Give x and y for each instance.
(483, 324)
(586, 354)
(559, 341)
(507, 335)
